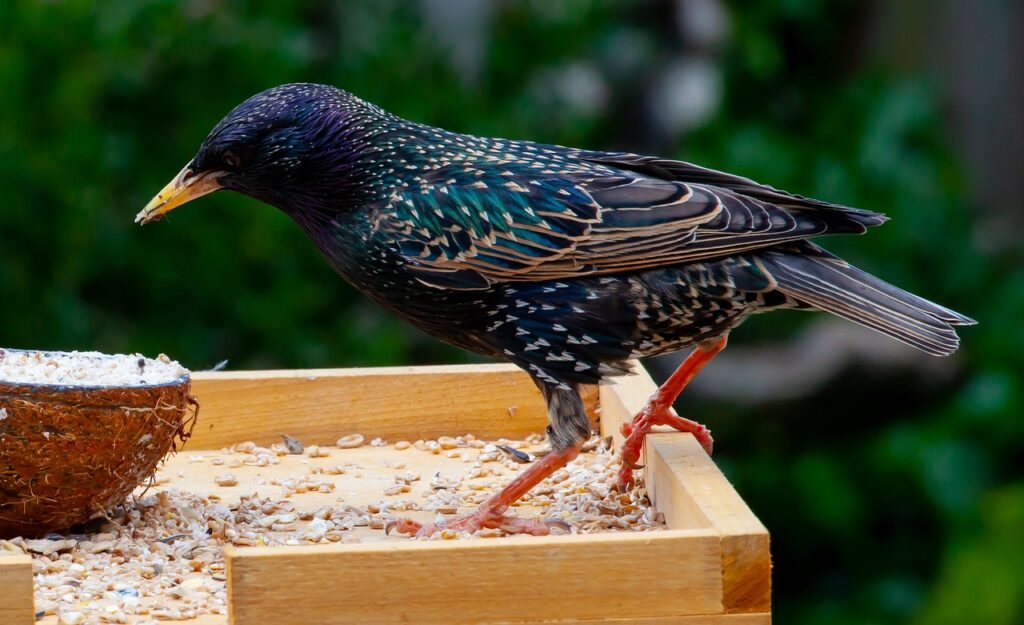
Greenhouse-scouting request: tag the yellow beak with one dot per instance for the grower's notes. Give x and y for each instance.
(184, 188)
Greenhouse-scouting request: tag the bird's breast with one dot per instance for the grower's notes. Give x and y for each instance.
(373, 265)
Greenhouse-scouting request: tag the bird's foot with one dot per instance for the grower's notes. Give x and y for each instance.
(477, 520)
(492, 513)
(654, 414)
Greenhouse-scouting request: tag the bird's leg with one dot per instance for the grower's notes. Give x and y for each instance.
(568, 428)
(491, 513)
(658, 409)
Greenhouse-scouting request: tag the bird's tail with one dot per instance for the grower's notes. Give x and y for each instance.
(816, 278)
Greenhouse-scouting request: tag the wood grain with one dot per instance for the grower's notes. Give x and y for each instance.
(530, 580)
(622, 399)
(688, 487)
(749, 618)
(16, 602)
(318, 406)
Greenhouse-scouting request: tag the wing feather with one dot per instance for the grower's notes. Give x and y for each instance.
(470, 232)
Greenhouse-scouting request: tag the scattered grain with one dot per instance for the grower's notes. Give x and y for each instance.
(350, 441)
(143, 565)
(315, 451)
(244, 448)
(71, 617)
(227, 479)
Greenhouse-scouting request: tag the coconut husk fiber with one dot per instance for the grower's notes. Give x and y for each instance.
(69, 452)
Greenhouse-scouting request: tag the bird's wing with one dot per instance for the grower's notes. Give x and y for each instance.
(668, 169)
(469, 234)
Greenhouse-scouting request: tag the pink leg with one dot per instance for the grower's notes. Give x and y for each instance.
(657, 411)
(491, 513)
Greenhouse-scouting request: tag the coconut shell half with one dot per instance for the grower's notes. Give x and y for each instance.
(69, 452)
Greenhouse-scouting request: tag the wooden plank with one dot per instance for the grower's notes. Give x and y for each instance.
(664, 480)
(320, 405)
(619, 402)
(538, 579)
(750, 618)
(622, 399)
(747, 572)
(682, 476)
(16, 602)
(689, 488)
(699, 619)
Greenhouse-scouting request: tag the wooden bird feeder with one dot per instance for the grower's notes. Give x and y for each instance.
(710, 567)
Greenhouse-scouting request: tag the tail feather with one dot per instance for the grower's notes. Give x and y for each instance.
(816, 278)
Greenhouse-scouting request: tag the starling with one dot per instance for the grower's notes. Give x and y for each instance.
(567, 262)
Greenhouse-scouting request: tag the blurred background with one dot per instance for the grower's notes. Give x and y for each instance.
(892, 482)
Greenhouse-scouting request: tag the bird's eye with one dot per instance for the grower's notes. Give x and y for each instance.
(231, 159)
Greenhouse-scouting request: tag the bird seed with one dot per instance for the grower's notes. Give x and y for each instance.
(161, 556)
(87, 368)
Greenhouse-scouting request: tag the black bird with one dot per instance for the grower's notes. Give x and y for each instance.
(567, 262)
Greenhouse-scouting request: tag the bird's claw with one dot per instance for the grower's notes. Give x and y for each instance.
(470, 524)
(625, 479)
(403, 526)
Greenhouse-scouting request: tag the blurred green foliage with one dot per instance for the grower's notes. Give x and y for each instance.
(881, 509)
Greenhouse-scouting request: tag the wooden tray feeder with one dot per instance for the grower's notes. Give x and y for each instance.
(710, 567)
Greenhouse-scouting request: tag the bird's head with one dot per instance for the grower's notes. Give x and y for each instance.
(292, 146)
